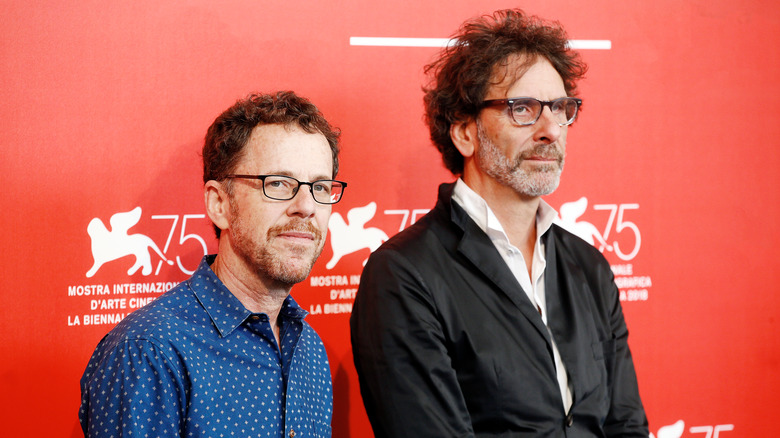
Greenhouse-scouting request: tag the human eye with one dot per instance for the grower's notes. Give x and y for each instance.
(322, 186)
(525, 110)
(560, 105)
(280, 185)
(522, 107)
(277, 182)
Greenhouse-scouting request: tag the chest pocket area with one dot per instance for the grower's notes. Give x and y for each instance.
(604, 355)
(598, 372)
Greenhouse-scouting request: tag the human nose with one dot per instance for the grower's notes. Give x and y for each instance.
(547, 129)
(303, 203)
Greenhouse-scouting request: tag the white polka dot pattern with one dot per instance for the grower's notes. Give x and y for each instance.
(197, 363)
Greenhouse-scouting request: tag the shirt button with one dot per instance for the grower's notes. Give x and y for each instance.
(292, 433)
(254, 318)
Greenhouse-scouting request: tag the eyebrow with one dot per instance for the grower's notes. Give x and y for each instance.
(290, 174)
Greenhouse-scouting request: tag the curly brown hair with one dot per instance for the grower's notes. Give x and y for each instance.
(227, 137)
(461, 75)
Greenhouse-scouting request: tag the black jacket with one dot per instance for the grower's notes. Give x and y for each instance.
(447, 344)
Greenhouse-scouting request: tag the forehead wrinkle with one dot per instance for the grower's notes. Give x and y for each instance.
(273, 154)
(503, 77)
(291, 175)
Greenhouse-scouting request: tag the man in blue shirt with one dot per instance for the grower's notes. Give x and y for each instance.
(227, 352)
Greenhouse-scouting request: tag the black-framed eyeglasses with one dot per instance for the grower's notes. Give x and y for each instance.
(284, 188)
(527, 110)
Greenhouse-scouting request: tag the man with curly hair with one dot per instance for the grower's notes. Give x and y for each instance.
(484, 318)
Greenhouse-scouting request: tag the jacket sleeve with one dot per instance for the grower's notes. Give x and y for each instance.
(407, 380)
(626, 417)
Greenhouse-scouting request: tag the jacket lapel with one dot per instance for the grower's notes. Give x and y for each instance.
(566, 294)
(476, 246)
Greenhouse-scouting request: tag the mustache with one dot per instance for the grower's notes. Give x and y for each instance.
(296, 225)
(546, 151)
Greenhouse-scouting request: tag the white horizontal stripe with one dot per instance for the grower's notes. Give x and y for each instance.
(590, 44)
(398, 42)
(442, 42)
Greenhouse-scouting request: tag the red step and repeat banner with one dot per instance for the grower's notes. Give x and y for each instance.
(672, 172)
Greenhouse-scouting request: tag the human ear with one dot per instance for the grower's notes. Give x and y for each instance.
(217, 204)
(464, 137)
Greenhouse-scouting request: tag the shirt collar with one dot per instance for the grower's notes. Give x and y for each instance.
(479, 211)
(224, 309)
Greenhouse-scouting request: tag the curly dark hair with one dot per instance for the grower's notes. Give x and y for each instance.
(461, 75)
(227, 137)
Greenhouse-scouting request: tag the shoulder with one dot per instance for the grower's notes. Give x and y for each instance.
(414, 268)
(311, 340)
(153, 322)
(428, 235)
(310, 336)
(411, 257)
(151, 335)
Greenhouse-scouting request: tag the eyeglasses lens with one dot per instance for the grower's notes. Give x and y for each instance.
(327, 192)
(565, 110)
(527, 111)
(284, 188)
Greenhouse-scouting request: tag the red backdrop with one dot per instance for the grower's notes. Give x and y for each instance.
(673, 163)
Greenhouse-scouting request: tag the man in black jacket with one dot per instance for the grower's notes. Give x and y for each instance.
(484, 318)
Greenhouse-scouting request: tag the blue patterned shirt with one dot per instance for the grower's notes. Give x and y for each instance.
(197, 363)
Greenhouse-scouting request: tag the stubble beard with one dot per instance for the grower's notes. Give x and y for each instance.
(541, 180)
(270, 262)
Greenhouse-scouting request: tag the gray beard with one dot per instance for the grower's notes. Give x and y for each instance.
(541, 181)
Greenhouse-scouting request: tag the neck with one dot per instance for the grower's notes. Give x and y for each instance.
(516, 213)
(255, 291)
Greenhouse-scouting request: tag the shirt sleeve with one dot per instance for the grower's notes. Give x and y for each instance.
(407, 380)
(132, 389)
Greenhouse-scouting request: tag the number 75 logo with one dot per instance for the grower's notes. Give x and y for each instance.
(626, 230)
(117, 242)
